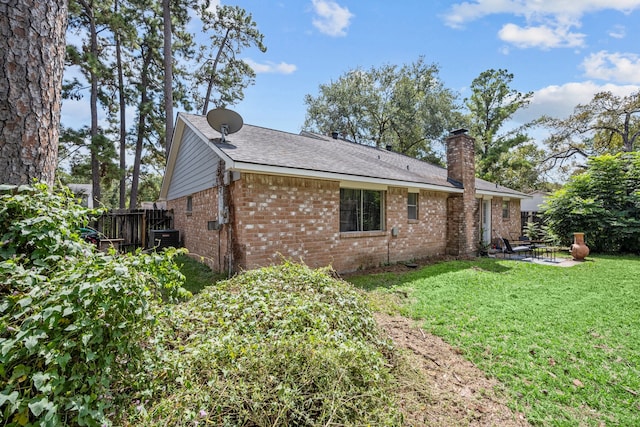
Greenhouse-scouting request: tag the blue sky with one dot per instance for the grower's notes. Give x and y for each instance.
(562, 50)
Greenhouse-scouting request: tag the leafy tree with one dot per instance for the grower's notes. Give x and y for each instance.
(603, 202)
(92, 17)
(124, 58)
(123, 35)
(147, 90)
(607, 124)
(177, 42)
(148, 79)
(149, 189)
(521, 168)
(127, 70)
(492, 103)
(406, 108)
(231, 29)
(32, 38)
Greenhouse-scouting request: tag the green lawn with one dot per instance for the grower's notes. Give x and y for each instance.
(197, 274)
(564, 341)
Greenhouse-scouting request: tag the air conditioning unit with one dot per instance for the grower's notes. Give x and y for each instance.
(161, 239)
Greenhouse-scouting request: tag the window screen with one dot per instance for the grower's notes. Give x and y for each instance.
(412, 206)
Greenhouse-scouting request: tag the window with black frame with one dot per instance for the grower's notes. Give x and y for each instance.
(361, 210)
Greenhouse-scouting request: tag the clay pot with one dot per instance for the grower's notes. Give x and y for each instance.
(579, 250)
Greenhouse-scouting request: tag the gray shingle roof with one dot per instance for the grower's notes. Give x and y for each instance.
(267, 147)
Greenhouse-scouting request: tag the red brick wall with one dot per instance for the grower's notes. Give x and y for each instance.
(463, 209)
(210, 244)
(298, 218)
(420, 238)
(282, 216)
(508, 228)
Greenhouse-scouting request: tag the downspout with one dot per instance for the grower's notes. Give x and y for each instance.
(388, 251)
(225, 214)
(230, 222)
(219, 243)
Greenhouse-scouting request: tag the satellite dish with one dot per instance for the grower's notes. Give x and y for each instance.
(224, 121)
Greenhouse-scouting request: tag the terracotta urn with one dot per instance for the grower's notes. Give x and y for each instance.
(579, 250)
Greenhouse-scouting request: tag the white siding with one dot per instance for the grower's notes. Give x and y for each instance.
(533, 204)
(195, 169)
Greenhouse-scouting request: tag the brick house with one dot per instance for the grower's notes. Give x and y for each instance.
(263, 194)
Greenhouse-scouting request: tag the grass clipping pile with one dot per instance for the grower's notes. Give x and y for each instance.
(283, 345)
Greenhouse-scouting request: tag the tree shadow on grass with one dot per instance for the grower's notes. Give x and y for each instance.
(397, 275)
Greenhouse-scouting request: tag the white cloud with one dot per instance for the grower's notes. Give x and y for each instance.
(548, 23)
(468, 11)
(543, 37)
(560, 101)
(270, 67)
(617, 67)
(332, 19)
(618, 32)
(504, 50)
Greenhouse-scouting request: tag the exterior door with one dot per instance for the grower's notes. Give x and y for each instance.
(485, 221)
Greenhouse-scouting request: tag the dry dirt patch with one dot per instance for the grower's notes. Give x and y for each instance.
(459, 394)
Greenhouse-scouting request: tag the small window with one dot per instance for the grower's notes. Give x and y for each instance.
(189, 204)
(412, 206)
(505, 209)
(361, 210)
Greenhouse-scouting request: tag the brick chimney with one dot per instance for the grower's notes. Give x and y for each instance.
(462, 209)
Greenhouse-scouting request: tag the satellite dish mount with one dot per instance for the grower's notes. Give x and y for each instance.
(224, 121)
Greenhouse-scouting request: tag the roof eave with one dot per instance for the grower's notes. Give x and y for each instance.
(181, 122)
(502, 194)
(334, 176)
(176, 141)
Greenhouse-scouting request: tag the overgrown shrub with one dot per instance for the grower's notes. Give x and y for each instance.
(72, 320)
(603, 202)
(285, 346)
(86, 339)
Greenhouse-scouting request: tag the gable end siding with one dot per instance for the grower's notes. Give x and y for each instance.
(195, 169)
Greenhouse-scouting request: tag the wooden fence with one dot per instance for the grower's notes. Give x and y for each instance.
(128, 230)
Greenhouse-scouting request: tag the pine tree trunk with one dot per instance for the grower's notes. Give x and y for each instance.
(212, 78)
(123, 121)
(93, 103)
(142, 125)
(32, 42)
(168, 73)
(88, 10)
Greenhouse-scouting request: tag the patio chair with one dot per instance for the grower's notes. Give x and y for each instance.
(508, 249)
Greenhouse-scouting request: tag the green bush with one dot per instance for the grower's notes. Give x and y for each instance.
(88, 338)
(286, 346)
(72, 320)
(603, 202)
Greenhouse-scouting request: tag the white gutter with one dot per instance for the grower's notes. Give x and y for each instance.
(502, 194)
